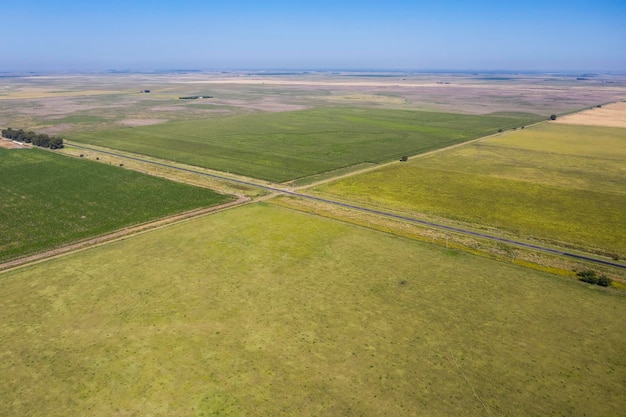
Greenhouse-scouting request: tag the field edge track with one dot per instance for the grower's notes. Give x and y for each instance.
(273, 189)
(118, 234)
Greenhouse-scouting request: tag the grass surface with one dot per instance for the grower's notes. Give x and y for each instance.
(49, 200)
(555, 182)
(288, 145)
(264, 311)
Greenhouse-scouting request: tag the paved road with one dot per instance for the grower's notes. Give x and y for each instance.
(368, 210)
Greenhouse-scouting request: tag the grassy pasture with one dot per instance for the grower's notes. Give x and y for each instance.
(288, 145)
(555, 182)
(264, 311)
(49, 200)
(608, 143)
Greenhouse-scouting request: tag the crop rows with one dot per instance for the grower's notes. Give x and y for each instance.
(49, 200)
(289, 145)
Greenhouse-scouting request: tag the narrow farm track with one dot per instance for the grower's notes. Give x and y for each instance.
(118, 234)
(379, 166)
(439, 226)
(421, 155)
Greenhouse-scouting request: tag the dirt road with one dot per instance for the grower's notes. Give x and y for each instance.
(84, 244)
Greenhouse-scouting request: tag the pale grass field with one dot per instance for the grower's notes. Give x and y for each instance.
(262, 311)
(586, 141)
(562, 183)
(611, 115)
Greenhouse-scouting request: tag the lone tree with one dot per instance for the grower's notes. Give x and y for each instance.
(553, 117)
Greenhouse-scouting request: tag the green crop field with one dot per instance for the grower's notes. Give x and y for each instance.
(561, 183)
(264, 311)
(289, 145)
(49, 200)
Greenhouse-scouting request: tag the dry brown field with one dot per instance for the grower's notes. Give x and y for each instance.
(9, 144)
(610, 115)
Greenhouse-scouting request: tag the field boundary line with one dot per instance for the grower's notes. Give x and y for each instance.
(290, 192)
(116, 235)
(460, 370)
(416, 156)
(459, 230)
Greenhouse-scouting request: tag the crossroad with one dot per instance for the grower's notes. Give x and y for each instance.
(286, 191)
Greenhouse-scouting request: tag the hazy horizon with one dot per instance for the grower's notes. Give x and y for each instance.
(418, 36)
(307, 71)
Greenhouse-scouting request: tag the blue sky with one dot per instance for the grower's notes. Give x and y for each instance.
(43, 35)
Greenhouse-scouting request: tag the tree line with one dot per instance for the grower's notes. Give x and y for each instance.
(37, 139)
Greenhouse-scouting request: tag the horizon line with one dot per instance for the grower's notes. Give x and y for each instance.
(304, 71)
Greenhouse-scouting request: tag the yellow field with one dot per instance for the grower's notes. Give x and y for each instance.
(585, 141)
(560, 183)
(262, 311)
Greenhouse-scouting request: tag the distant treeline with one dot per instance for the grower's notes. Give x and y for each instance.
(37, 139)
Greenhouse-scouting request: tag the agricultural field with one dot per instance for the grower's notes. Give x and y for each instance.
(115, 110)
(271, 308)
(49, 200)
(79, 103)
(560, 183)
(289, 145)
(611, 115)
(264, 311)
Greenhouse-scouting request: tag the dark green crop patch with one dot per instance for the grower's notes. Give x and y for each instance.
(49, 200)
(290, 145)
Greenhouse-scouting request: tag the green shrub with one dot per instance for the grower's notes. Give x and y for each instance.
(592, 277)
(604, 281)
(588, 276)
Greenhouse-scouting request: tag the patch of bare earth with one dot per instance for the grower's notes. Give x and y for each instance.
(9, 144)
(142, 122)
(56, 107)
(266, 104)
(170, 108)
(610, 115)
(54, 130)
